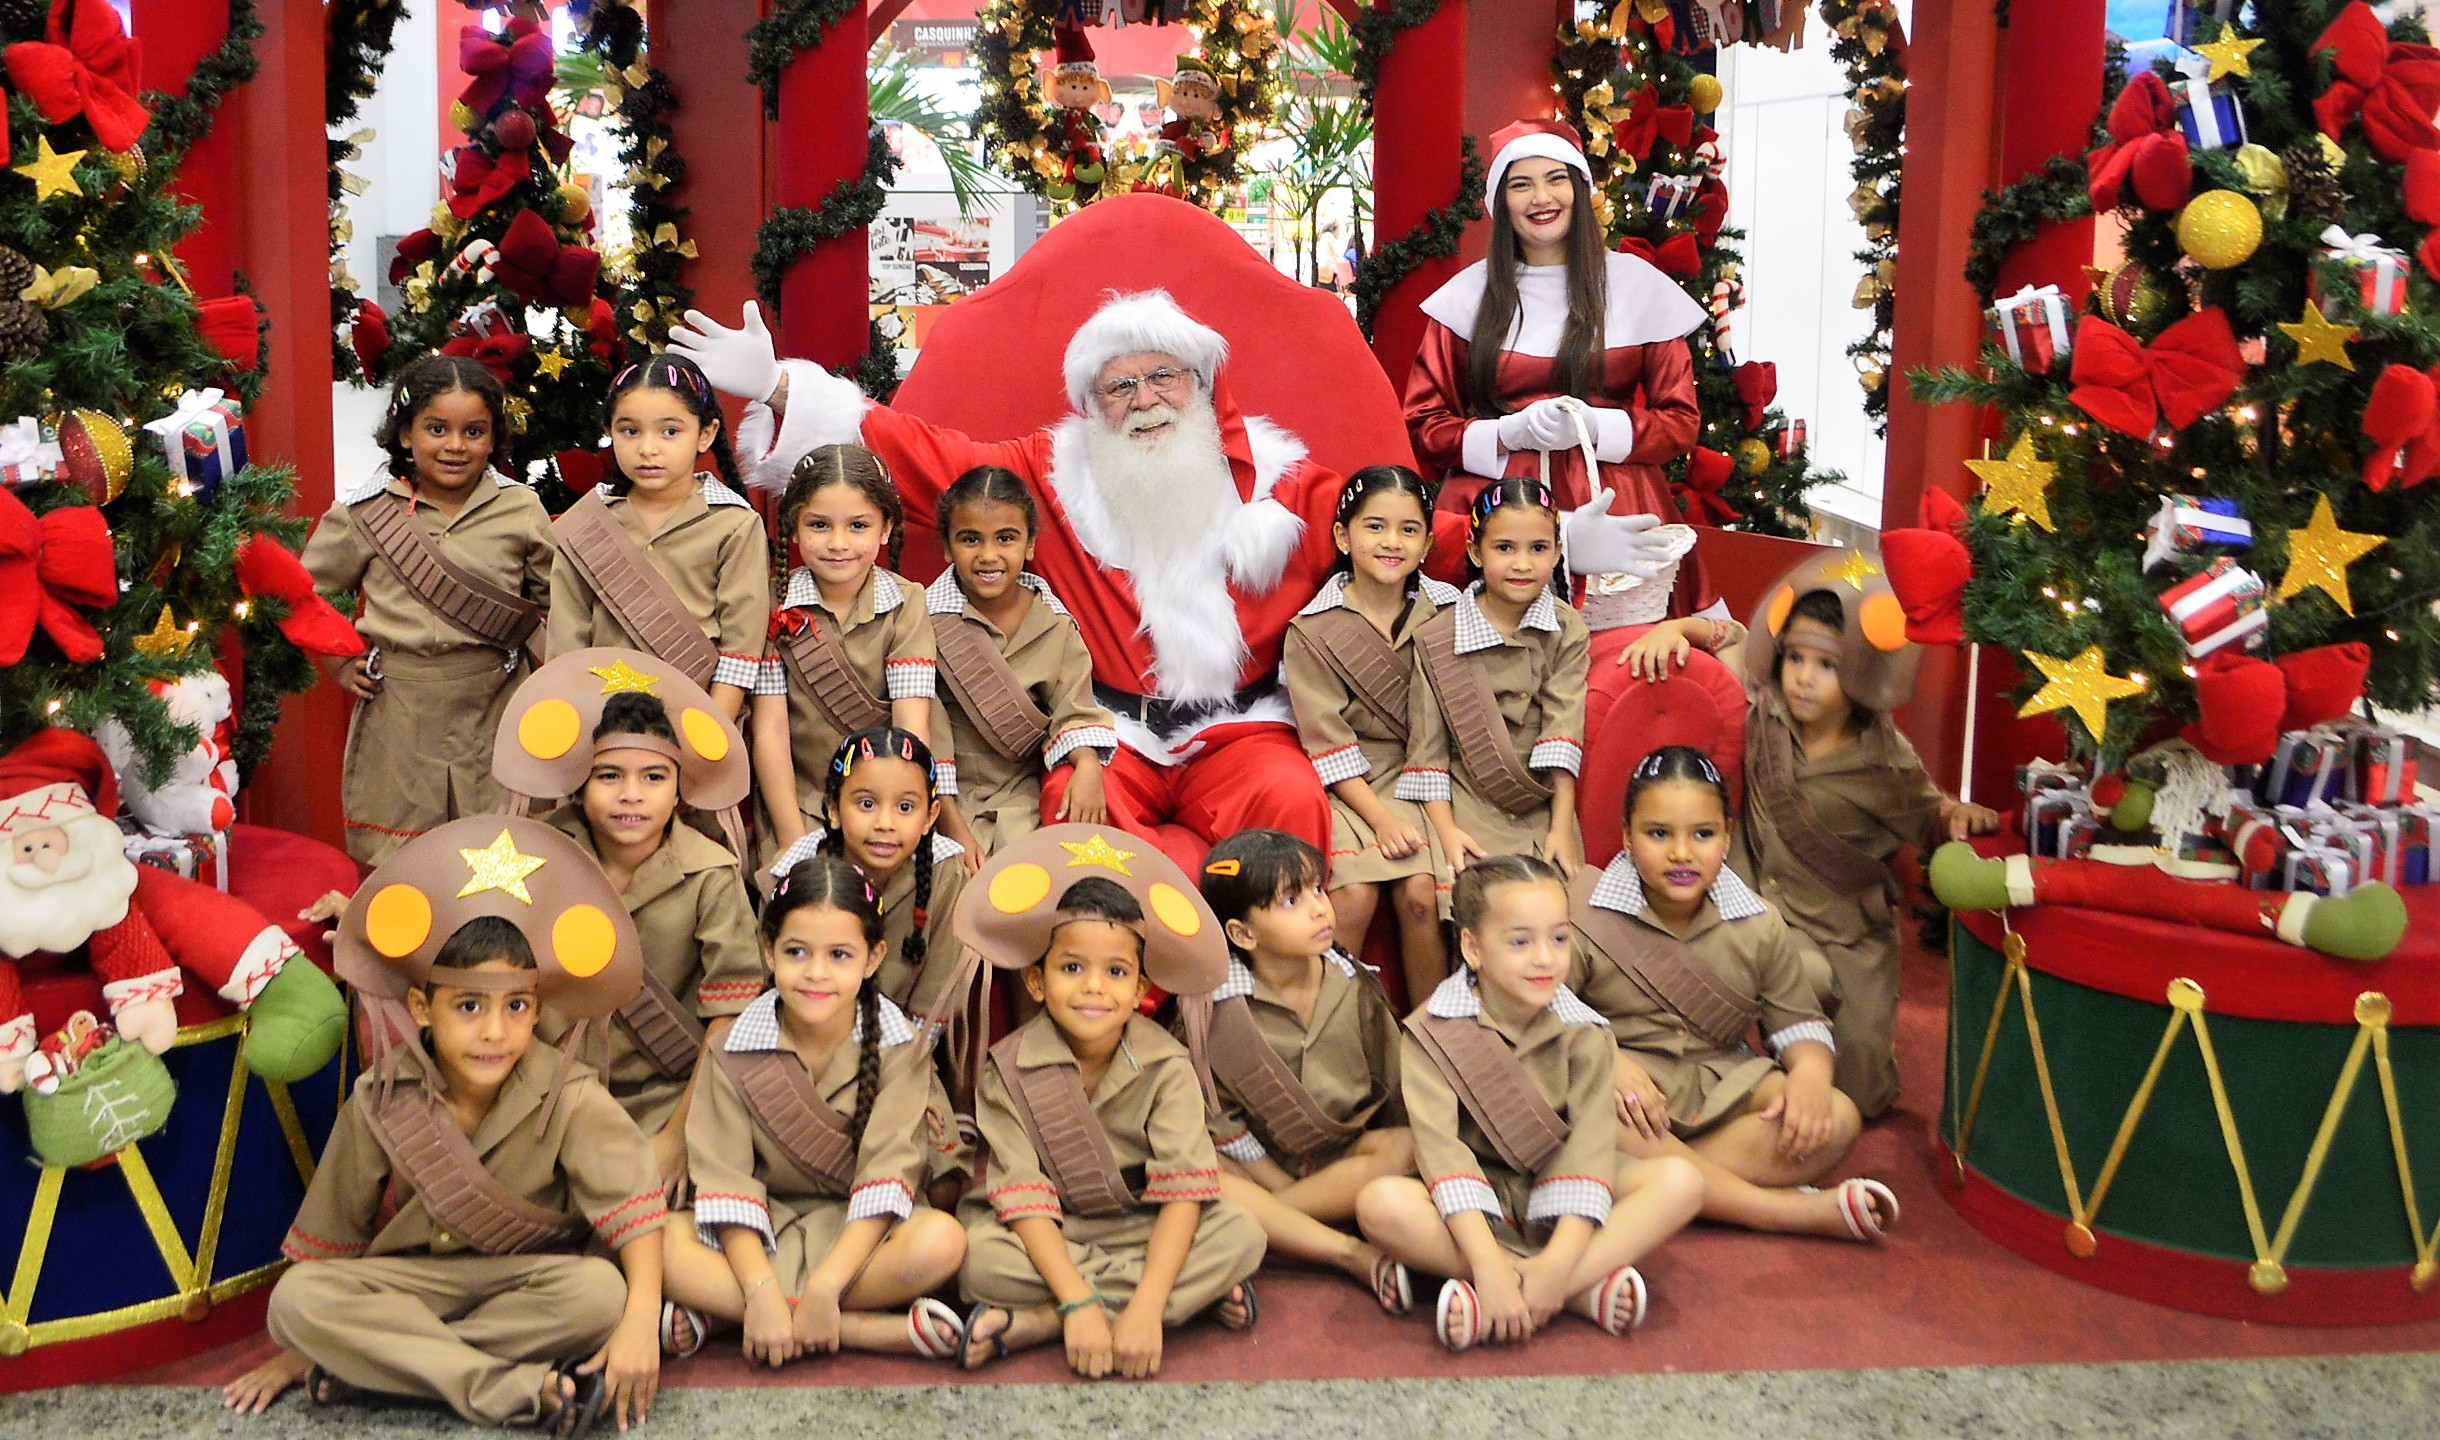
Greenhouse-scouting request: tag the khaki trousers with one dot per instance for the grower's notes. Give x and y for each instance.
(1227, 1248)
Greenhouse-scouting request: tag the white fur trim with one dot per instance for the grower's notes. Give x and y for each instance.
(1645, 306)
(2292, 916)
(823, 409)
(1146, 321)
(1263, 534)
(1479, 452)
(2020, 881)
(1613, 433)
(1539, 145)
(1180, 745)
(256, 964)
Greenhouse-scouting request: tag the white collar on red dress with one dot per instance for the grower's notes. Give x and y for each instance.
(1646, 306)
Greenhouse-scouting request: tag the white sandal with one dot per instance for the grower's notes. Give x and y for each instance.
(1393, 1286)
(1619, 1302)
(1862, 1203)
(1458, 1317)
(672, 1313)
(935, 1329)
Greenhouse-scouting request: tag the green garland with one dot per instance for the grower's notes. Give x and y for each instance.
(775, 40)
(358, 36)
(181, 120)
(654, 297)
(1377, 29)
(793, 230)
(2015, 213)
(1434, 237)
(1862, 32)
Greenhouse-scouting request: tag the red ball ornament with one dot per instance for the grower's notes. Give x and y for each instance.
(95, 454)
(513, 131)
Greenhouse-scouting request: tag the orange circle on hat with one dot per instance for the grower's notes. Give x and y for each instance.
(1019, 888)
(1171, 907)
(1781, 604)
(549, 730)
(398, 920)
(1884, 621)
(703, 734)
(583, 940)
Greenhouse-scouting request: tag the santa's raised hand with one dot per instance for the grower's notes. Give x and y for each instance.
(740, 361)
(1600, 543)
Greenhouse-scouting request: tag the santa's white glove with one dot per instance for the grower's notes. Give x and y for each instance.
(1541, 425)
(739, 361)
(1600, 543)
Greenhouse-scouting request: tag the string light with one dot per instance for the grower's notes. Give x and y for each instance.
(242, 609)
(51, 709)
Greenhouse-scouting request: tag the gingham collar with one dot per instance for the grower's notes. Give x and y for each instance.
(944, 850)
(757, 1027)
(1333, 593)
(1240, 981)
(1458, 998)
(946, 597)
(1621, 889)
(381, 479)
(804, 590)
(715, 493)
(1476, 632)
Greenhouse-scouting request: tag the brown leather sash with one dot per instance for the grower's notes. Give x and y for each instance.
(1772, 751)
(448, 589)
(1476, 726)
(1275, 1100)
(1492, 1084)
(1365, 662)
(666, 1032)
(426, 1146)
(818, 662)
(788, 1109)
(988, 689)
(637, 594)
(1664, 968)
(1058, 1118)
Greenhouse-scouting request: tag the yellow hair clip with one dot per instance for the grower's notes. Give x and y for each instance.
(1223, 867)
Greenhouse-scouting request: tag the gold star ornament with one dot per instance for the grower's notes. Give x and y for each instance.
(165, 638)
(52, 172)
(2319, 339)
(552, 363)
(2019, 482)
(621, 678)
(2319, 554)
(500, 866)
(2083, 685)
(1099, 851)
(2229, 56)
(1857, 569)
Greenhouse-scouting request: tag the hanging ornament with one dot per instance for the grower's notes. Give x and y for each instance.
(2019, 482)
(575, 205)
(1704, 93)
(95, 454)
(2314, 194)
(2219, 229)
(2265, 175)
(1753, 456)
(2229, 56)
(166, 638)
(2319, 339)
(2084, 685)
(2319, 554)
(2127, 293)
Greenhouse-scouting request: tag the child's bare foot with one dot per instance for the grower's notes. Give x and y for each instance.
(1236, 1311)
(980, 1346)
(1857, 1209)
(253, 1392)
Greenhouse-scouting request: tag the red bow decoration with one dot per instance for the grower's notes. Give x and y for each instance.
(2393, 88)
(1710, 211)
(787, 620)
(85, 65)
(2186, 373)
(370, 335)
(477, 178)
(516, 63)
(1676, 255)
(266, 570)
(1707, 472)
(48, 565)
(1648, 120)
(2399, 420)
(231, 325)
(1757, 386)
(413, 250)
(1928, 569)
(601, 330)
(497, 353)
(2146, 151)
(542, 271)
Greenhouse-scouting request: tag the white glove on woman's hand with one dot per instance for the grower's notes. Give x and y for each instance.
(1541, 425)
(740, 361)
(1600, 543)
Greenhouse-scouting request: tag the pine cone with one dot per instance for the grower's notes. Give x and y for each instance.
(16, 272)
(2313, 189)
(24, 19)
(23, 330)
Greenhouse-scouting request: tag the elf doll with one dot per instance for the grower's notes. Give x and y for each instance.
(1076, 87)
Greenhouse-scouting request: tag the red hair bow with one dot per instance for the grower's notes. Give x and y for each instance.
(1649, 120)
(2185, 375)
(1676, 255)
(1928, 569)
(2402, 420)
(496, 353)
(2392, 87)
(266, 569)
(1707, 473)
(2146, 152)
(84, 65)
(516, 63)
(540, 270)
(48, 565)
(1757, 386)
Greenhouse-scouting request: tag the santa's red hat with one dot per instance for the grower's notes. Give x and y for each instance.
(55, 776)
(1072, 51)
(1534, 140)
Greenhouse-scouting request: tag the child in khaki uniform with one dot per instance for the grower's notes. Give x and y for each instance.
(1312, 1116)
(1498, 693)
(1040, 691)
(447, 649)
(441, 1247)
(807, 1228)
(1526, 1207)
(850, 646)
(1100, 1242)
(1833, 791)
(659, 558)
(1348, 664)
(1682, 958)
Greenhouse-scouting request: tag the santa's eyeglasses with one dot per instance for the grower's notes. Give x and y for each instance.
(1165, 381)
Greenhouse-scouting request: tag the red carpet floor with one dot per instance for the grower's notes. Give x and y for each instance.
(1936, 1294)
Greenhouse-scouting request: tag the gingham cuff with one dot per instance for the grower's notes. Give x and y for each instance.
(1244, 1149)
(1568, 1195)
(714, 1211)
(1457, 1194)
(875, 1199)
(743, 671)
(1347, 762)
(1814, 1030)
(1557, 753)
(1423, 784)
(944, 777)
(1081, 737)
(770, 676)
(908, 679)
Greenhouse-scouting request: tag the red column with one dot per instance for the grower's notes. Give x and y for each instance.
(718, 126)
(824, 309)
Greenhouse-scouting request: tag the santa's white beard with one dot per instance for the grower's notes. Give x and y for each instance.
(1167, 495)
(59, 910)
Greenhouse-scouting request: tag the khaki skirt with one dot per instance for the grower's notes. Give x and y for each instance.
(419, 753)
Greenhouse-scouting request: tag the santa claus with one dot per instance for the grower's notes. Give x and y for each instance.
(66, 883)
(1182, 535)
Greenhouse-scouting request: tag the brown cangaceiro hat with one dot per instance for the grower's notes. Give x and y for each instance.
(1876, 664)
(545, 746)
(1011, 908)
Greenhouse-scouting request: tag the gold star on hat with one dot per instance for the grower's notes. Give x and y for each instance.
(2019, 482)
(1857, 569)
(1099, 851)
(2229, 56)
(621, 678)
(52, 172)
(2319, 339)
(500, 866)
(2319, 554)
(2083, 685)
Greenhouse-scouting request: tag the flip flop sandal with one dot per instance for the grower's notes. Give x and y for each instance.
(1393, 1286)
(324, 1388)
(673, 1315)
(998, 1342)
(935, 1329)
(575, 1417)
(1245, 1298)
(1458, 1317)
(1862, 1203)
(1620, 1302)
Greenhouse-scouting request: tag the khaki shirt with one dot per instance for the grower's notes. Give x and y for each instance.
(888, 645)
(590, 1162)
(1342, 735)
(1538, 679)
(713, 552)
(1049, 660)
(918, 988)
(1345, 1056)
(501, 534)
(1148, 1102)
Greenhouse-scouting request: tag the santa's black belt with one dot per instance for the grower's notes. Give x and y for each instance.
(1167, 717)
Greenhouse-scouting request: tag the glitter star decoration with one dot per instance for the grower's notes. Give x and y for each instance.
(2083, 685)
(500, 866)
(1099, 851)
(619, 678)
(2319, 339)
(2019, 482)
(165, 638)
(552, 363)
(2229, 56)
(2319, 554)
(52, 172)
(1857, 569)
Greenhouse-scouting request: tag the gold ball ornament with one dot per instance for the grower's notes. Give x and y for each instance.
(463, 117)
(95, 454)
(1704, 93)
(1753, 457)
(2219, 229)
(575, 206)
(2128, 295)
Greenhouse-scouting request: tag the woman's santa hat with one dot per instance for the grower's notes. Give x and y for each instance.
(1534, 140)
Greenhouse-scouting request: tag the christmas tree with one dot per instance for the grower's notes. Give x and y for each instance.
(2205, 506)
(136, 542)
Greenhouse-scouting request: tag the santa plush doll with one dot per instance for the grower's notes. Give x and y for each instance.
(66, 884)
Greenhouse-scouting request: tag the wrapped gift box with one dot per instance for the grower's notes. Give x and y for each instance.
(2309, 765)
(203, 439)
(2031, 326)
(2377, 273)
(1670, 197)
(2382, 767)
(2217, 607)
(2209, 114)
(194, 857)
